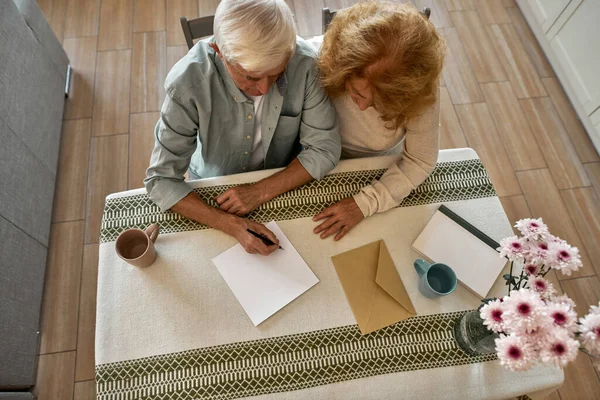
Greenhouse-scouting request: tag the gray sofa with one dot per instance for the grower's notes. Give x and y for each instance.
(33, 73)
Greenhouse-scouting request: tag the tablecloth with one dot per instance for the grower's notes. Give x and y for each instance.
(175, 330)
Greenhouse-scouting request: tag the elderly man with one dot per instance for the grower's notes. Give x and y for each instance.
(247, 99)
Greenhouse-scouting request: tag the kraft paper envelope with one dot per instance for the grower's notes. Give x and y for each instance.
(373, 287)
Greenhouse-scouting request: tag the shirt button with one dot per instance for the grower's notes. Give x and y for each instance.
(248, 137)
(235, 98)
(249, 116)
(245, 152)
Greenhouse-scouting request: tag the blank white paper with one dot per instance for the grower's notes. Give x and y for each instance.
(476, 264)
(264, 285)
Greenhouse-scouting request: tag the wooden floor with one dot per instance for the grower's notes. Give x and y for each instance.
(499, 96)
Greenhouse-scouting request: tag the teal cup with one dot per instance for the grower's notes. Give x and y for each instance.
(435, 279)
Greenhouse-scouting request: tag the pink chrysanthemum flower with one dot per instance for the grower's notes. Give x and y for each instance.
(538, 337)
(511, 247)
(524, 311)
(491, 313)
(564, 257)
(559, 349)
(554, 239)
(541, 286)
(563, 299)
(532, 228)
(514, 352)
(590, 331)
(531, 269)
(563, 316)
(536, 252)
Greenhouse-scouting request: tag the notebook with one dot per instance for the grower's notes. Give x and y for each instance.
(449, 239)
(265, 284)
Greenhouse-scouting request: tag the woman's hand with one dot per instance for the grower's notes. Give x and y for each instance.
(339, 217)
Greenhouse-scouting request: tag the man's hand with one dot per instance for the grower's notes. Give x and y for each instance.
(252, 244)
(241, 200)
(339, 217)
(194, 208)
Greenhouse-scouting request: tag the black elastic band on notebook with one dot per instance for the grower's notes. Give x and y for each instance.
(474, 231)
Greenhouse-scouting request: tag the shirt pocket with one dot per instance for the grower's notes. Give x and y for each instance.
(285, 145)
(287, 128)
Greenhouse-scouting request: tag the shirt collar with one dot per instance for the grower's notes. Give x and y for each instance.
(281, 83)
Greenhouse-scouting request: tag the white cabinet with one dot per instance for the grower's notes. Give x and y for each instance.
(547, 11)
(569, 33)
(577, 47)
(595, 118)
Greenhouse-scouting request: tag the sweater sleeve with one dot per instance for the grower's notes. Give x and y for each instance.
(421, 147)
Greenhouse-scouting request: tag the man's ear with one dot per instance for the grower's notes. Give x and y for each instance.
(216, 49)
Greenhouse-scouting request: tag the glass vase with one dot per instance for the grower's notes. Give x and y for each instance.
(472, 336)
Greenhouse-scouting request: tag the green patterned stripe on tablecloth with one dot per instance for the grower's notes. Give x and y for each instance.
(287, 363)
(453, 180)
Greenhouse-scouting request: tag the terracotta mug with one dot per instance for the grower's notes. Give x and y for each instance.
(136, 246)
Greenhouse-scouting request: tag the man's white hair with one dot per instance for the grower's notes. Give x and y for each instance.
(258, 35)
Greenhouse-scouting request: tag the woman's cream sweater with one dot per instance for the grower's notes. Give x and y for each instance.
(364, 134)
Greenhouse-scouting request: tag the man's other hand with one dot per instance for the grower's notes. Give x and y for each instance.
(241, 200)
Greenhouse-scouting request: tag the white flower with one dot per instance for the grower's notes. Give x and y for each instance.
(491, 313)
(559, 349)
(511, 247)
(564, 257)
(590, 332)
(541, 286)
(514, 352)
(563, 316)
(536, 252)
(532, 228)
(531, 269)
(524, 311)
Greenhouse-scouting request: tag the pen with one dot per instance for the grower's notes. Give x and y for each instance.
(265, 240)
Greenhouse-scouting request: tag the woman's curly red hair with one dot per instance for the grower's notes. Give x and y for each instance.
(394, 47)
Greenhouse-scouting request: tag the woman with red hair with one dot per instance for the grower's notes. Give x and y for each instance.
(380, 63)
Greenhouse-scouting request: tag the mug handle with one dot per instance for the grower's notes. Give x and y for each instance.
(152, 232)
(421, 266)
